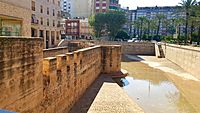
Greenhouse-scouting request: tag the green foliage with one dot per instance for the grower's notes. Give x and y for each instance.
(122, 35)
(110, 22)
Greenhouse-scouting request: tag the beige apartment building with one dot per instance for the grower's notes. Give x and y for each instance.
(82, 8)
(85, 29)
(15, 18)
(45, 21)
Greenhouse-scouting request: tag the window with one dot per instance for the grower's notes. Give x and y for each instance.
(103, 4)
(53, 1)
(10, 27)
(47, 22)
(47, 11)
(53, 22)
(33, 5)
(41, 21)
(58, 3)
(41, 9)
(53, 12)
(59, 14)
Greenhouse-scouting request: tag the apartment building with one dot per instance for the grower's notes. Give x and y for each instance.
(85, 29)
(15, 18)
(170, 12)
(102, 6)
(66, 6)
(78, 28)
(82, 8)
(45, 21)
(106, 5)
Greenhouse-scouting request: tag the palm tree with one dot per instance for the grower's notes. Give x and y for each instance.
(159, 17)
(178, 22)
(141, 21)
(187, 6)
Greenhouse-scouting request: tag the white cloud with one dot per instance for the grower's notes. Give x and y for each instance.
(142, 3)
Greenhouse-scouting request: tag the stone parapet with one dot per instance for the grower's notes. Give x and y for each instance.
(52, 52)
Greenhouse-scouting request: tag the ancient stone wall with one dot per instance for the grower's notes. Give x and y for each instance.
(137, 48)
(111, 55)
(30, 83)
(67, 76)
(52, 52)
(186, 57)
(21, 81)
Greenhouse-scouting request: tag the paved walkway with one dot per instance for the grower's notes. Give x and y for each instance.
(105, 96)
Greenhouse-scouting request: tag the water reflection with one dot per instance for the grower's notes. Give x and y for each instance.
(159, 92)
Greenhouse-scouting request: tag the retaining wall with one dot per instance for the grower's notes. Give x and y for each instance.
(185, 56)
(29, 83)
(137, 48)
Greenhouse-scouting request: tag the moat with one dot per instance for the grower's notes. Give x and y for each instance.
(156, 91)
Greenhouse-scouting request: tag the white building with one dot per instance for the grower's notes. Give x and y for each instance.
(66, 6)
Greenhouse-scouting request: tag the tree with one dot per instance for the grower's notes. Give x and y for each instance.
(141, 20)
(111, 22)
(187, 6)
(159, 17)
(122, 35)
(98, 23)
(114, 22)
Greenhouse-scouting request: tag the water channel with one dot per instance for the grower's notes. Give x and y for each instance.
(156, 91)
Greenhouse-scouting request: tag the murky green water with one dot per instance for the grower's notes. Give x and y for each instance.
(159, 92)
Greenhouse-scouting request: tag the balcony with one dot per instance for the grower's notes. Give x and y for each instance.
(34, 20)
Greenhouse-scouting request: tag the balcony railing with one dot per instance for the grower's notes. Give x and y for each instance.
(34, 20)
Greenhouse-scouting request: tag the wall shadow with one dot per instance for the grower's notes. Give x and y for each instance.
(84, 103)
(135, 58)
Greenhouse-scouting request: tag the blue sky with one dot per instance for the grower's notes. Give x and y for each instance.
(132, 4)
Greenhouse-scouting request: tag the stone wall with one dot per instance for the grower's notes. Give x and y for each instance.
(30, 83)
(21, 80)
(52, 52)
(137, 48)
(185, 56)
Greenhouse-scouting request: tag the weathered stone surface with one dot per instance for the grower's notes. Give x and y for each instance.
(137, 48)
(52, 52)
(21, 80)
(30, 83)
(186, 57)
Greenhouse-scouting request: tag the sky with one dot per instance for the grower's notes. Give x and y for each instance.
(132, 4)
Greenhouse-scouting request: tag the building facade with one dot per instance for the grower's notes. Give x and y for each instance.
(169, 12)
(102, 6)
(15, 18)
(66, 6)
(82, 8)
(45, 21)
(78, 29)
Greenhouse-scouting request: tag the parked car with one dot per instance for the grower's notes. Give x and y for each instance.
(132, 40)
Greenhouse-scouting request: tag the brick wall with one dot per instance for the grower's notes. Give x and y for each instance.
(30, 83)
